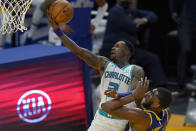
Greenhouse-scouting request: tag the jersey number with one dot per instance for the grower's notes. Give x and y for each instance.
(113, 86)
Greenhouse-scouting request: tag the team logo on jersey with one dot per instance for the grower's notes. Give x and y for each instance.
(34, 106)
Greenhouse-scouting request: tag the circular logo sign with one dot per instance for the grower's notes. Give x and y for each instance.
(34, 106)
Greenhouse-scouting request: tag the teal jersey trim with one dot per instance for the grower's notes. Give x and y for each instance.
(106, 65)
(131, 72)
(124, 67)
(101, 112)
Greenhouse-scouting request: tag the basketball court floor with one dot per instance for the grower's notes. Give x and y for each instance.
(178, 109)
(177, 124)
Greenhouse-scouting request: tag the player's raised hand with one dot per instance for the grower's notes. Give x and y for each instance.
(142, 88)
(66, 29)
(111, 93)
(51, 21)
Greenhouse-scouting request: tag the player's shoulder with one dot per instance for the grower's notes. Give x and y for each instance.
(155, 119)
(137, 67)
(168, 112)
(138, 70)
(102, 62)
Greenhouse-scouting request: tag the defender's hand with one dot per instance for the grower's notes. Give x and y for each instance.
(111, 93)
(142, 88)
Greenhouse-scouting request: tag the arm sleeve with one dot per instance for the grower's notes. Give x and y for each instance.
(124, 94)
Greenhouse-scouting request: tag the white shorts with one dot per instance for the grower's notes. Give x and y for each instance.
(101, 123)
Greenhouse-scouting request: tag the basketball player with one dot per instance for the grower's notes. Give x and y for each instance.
(79, 29)
(152, 114)
(117, 74)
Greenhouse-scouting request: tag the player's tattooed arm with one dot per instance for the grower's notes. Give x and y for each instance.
(138, 73)
(95, 61)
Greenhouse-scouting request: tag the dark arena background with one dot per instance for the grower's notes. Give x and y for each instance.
(41, 89)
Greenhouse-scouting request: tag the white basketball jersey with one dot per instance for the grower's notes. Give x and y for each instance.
(118, 79)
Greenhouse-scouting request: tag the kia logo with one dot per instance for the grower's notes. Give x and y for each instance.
(34, 106)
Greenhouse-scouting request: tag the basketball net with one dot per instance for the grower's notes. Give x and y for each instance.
(13, 14)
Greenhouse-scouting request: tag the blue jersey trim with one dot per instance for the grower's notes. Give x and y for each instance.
(156, 122)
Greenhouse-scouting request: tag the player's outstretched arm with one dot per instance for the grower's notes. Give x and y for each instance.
(95, 61)
(116, 107)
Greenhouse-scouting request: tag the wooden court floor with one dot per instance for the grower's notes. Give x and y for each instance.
(176, 123)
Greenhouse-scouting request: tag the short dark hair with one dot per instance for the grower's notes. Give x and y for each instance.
(130, 45)
(165, 97)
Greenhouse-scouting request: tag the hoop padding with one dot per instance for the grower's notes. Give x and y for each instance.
(13, 13)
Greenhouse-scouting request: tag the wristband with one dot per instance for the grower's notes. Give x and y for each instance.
(125, 94)
(58, 32)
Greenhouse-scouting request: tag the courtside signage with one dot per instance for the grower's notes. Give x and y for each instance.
(34, 106)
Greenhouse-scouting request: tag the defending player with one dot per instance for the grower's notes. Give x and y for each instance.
(152, 114)
(117, 74)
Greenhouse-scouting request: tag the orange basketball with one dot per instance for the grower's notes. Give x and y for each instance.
(61, 11)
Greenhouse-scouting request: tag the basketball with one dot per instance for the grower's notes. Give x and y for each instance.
(61, 11)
